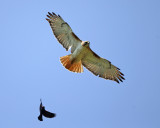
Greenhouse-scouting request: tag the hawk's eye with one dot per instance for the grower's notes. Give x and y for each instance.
(86, 42)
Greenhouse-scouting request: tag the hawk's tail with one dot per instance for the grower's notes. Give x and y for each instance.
(75, 67)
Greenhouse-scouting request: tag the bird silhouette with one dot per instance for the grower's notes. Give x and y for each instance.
(45, 113)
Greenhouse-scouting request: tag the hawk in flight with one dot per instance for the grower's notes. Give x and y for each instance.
(81, 53)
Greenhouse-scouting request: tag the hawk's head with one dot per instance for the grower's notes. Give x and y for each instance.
(85, 43)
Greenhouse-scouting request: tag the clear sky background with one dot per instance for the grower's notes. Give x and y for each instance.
(126, 32)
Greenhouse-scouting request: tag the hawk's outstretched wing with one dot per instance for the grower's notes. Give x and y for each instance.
(63, 32)
(101, 67)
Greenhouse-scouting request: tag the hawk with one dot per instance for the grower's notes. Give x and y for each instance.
(81, 53)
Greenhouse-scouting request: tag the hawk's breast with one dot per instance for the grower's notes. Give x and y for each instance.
(79, 53)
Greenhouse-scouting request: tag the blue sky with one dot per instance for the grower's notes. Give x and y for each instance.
(126, 32)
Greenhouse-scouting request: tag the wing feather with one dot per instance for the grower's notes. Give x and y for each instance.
(48, 114)
(63, 32)
(101, 67)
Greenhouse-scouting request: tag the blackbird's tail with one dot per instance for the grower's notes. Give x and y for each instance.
(40, 118)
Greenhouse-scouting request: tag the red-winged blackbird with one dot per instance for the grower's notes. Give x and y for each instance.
(45, 113)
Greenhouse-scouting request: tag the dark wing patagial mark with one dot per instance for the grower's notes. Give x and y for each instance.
(75, 36)
(93, 53)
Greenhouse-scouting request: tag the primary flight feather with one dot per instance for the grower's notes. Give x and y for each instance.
(81, 54)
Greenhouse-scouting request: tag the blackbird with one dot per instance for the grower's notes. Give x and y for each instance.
(45, 113)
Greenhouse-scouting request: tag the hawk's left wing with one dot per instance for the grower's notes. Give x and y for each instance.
(63, 32)
(101, 67)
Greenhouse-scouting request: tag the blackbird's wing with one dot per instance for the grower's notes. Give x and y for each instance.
(48, 114)
(40, 109)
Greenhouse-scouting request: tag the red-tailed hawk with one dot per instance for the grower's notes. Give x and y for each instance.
(81, 52)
